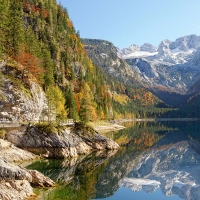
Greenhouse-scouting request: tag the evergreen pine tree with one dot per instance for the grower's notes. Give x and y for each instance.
(48, 69)
(4, 7)
(16, 27)
(71, 105)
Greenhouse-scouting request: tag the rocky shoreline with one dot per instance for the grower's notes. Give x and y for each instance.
(32, 142)
(16, 182)
(59, 141)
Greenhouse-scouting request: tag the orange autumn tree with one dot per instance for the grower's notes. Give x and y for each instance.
(30, 64)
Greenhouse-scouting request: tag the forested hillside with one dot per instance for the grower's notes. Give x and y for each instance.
(39, 44)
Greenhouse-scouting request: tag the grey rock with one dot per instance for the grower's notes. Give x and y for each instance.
(196, 57)
(15, 190)
(68, 143)
(10, 171)
(39, 180)
(18, 103)
(11, 153)
(16, 182)
(148, 47)
(163, 48)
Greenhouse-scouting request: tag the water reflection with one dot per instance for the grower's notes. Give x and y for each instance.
(153, 157)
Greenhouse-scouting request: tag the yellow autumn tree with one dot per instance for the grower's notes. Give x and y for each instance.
(56, 103)
(87, 110)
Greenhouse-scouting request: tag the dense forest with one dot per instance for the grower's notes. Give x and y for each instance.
(39, 41)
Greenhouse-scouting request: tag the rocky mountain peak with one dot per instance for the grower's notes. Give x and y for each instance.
(134, 47)
(163, 47)
(173, 65)
(148, 47)
(179, 49)
(186, 43)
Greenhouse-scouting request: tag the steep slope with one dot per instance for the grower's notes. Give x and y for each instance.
(104, 54)
(39, 46)
(47, 52)
(194, 88)
(19, 102)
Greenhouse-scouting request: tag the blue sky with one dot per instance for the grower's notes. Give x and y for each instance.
(126, 22)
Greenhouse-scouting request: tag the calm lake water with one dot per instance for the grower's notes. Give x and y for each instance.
(155, 161)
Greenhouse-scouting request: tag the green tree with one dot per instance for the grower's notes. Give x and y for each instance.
(87, 108)
(48, 66)
(71, 105)
(4, 19)
(56, 104)
(16, 27)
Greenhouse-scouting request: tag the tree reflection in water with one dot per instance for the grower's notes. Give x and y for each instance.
(151, 156)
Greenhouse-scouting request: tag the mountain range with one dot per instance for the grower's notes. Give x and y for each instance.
(171, 69)
(173, 65)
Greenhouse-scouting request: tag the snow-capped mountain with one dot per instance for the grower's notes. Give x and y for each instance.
(167, 52)
(135, 51)
(174, 66)
(171, 69)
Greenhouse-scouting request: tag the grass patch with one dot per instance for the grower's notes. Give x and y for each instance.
(50, 128)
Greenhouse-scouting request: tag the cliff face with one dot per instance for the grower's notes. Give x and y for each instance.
(17, 102)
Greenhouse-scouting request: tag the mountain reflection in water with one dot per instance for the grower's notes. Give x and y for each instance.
(153, 157)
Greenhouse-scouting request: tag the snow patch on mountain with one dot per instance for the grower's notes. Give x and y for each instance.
(173, 65)
(171, 52)
(139, 54)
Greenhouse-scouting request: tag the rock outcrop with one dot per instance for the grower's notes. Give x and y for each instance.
(17, 190)
(16, 182)
(11, 153)
(20, 101)
(63, 143)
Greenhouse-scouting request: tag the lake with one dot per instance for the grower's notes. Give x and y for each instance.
(156, 160)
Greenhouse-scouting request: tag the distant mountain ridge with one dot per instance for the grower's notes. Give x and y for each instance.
(169, 70)
(168, 52)
(173, 65)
